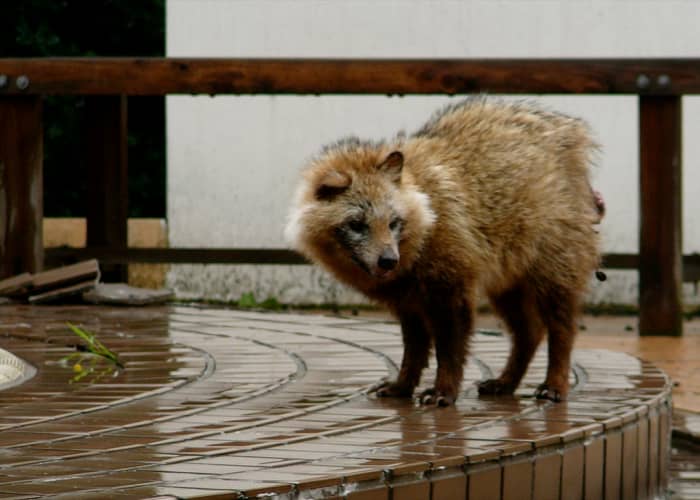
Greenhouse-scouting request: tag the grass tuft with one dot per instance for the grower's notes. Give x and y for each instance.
(94, 345)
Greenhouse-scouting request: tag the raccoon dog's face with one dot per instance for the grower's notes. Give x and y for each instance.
(371, 221)
(354, 215)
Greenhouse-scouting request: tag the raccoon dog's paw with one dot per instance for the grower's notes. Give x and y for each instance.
(546, 392)
(495, 386)
(432, 396)
(392, 390)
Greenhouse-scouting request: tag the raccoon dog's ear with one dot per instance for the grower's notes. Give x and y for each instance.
(332, 184)
(392, 166)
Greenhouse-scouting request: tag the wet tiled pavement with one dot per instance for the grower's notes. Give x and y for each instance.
(215, 403)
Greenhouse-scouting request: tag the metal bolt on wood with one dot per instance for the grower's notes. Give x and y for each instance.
(663, 80)
(3, 81)
(643, 81)
(22, 82)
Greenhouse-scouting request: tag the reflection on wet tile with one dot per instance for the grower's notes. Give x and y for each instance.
(374, 490)
(167, 493)
(410, 486)
(613, 464)
(594, 456)
(664, 443)
(216, 402)
(484, 482)
(517, 479)
(643, 458)
(547, 481)
(572, 472)
(629, 461)
(449, 484)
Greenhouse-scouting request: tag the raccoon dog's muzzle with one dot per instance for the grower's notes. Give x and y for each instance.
(382, 266)
(388, 260)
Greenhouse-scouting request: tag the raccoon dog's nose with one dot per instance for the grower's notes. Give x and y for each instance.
(388, 260)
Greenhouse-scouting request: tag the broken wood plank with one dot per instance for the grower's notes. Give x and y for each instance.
(16, 286)
(62, 293)
(65, 276)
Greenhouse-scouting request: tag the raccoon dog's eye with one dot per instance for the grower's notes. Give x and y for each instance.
(395, 223)
(358, 226)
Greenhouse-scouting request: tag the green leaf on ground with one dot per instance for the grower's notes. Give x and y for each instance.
(94, 345)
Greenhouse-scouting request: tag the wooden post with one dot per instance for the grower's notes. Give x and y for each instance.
(660, 236)
(108, 187)
(21, 186)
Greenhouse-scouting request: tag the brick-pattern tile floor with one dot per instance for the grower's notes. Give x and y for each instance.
(678, 357)
(215, 403)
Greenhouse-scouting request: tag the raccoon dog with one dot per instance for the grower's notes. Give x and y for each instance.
(488, 195)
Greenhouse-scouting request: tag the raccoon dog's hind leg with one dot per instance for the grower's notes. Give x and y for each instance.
(558, 307)
(519, 309)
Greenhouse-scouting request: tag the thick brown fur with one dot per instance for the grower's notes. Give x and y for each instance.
(487, 195)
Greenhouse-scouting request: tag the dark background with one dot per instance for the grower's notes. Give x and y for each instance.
(74, 28)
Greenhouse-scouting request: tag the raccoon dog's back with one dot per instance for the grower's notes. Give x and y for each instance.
(486, 186)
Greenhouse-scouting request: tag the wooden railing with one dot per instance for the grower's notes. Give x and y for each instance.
(105, 82)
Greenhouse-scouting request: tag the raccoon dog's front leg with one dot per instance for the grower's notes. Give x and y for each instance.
(450, 322)
(416, 349)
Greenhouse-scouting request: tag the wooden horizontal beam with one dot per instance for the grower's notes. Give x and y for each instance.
(56, 255)
(620, 261)
(160, 76)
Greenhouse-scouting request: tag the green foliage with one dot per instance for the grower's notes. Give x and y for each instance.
(248, 301)
(76, 28)
(89, 368)
(42, 28)
(271, 304)
(94, 346)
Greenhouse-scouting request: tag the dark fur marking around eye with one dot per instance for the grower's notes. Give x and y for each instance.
(350, 233)
(327, 193)
(358, 226)
(396, 224)
(351, 240)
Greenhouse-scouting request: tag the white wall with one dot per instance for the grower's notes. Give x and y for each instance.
(233, 162)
